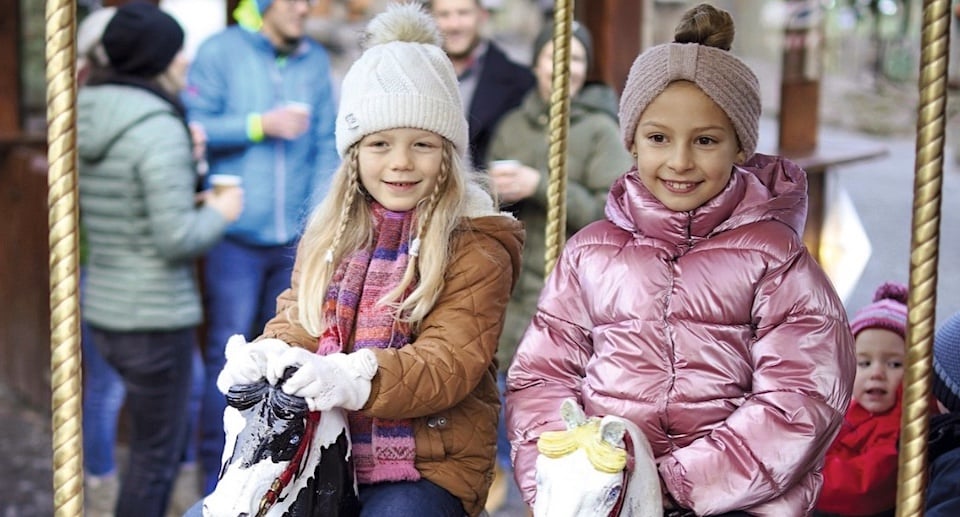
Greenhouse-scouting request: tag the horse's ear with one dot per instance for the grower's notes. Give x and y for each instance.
(573, 416)
(612, 431)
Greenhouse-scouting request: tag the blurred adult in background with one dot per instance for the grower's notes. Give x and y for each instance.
(519, 172)
(490, 83)
(103, 391)
(144, 227)
(338, 25)
(263, 94)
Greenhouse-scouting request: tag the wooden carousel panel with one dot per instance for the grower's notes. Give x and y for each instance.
(24, 273)
(616, 28)
(9, 73)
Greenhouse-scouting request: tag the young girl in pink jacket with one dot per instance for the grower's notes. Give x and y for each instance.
(694, 310)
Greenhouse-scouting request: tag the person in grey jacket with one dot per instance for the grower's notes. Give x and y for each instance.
(145, 226)
(519, 171)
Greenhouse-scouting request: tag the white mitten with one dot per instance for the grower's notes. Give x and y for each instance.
(328, 381)
(247, 362)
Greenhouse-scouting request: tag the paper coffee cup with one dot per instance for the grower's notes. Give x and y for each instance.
(221, 182)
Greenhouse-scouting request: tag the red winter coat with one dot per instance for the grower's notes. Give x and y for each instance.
(860, 472)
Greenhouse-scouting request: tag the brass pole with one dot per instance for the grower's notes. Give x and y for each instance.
(558, 127)
(64, 241)
(924, 250)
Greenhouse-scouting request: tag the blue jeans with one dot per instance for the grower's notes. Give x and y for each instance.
(193, 408)
(156, 371)
(103, 395)
(405, 499)
(408, 499)
(242, 283)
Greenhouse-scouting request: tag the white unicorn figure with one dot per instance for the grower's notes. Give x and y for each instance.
(280, 460)
(597, 467)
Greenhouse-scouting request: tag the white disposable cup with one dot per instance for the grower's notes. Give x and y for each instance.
(221, 182)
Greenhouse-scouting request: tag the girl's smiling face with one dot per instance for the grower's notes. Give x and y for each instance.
(399, 167)
(880, 357)
(685, 146)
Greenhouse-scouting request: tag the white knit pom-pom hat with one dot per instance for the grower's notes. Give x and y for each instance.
(402, 79)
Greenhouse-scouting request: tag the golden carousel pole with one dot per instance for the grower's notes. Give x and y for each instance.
(63, 219)
(924, 255)
(558, 127)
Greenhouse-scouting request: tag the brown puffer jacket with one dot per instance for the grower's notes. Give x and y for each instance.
(445, 380)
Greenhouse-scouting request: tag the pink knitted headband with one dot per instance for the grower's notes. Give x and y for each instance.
(720, 74)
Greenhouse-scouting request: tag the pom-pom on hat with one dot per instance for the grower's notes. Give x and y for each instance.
(141, 40)
(402, 79)
(723, 77)
(946, 364)
(888, 311)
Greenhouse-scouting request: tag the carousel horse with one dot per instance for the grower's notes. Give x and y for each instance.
(596, 467)
(281, 460)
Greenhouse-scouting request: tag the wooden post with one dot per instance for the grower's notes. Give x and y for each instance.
(799, 116)
(616, 27)
(10, 116)
(800, 80)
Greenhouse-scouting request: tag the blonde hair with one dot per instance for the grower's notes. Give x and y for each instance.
(343, 224)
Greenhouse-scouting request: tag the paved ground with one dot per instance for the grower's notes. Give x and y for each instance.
(26, 475)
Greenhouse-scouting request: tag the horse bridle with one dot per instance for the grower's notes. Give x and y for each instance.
(627, 469)
(283, 480)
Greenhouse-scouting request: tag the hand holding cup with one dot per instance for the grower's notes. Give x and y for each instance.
(512, 180)
(227, 195)
(288, 121)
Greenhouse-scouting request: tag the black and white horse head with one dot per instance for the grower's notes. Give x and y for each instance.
(280, 460)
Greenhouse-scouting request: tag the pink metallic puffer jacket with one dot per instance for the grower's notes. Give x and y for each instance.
(713, 330)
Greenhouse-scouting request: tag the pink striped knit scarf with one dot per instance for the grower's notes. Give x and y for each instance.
(383, 450)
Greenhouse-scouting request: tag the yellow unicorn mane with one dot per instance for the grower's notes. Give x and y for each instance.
(602, 455)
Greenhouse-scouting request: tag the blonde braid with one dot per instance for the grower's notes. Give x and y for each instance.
(353, 187)
(434, 198)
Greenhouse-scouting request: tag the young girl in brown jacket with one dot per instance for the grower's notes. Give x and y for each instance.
(400, 285)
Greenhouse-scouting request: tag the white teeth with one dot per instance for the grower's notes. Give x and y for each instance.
(673, 185)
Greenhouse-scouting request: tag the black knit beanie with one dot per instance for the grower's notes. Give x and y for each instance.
(141, 40)
(579, 31)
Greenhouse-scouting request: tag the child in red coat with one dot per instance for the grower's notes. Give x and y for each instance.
(860, 471)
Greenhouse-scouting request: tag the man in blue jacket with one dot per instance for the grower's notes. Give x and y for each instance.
(262, 93)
